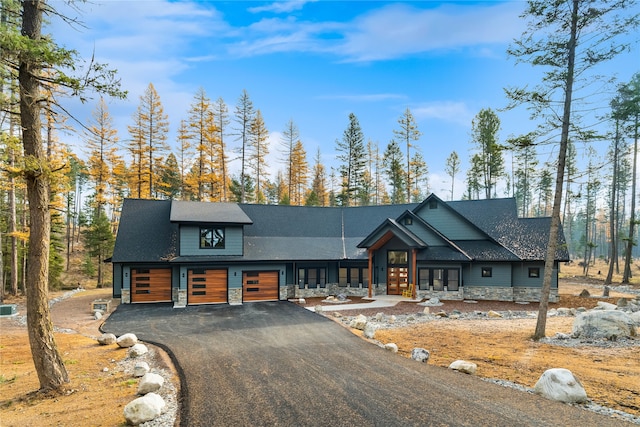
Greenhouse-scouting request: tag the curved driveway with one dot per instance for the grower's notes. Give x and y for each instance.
(277, 364)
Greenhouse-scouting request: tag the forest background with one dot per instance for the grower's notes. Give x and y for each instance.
(224, 150)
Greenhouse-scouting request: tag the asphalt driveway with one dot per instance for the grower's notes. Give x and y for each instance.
(277, 364)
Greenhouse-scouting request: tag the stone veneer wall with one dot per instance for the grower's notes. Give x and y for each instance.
(235, 296)
(443, 295)
(493, 293)
(335, 289)
(125, 296)
(533, 294)
(179, 297)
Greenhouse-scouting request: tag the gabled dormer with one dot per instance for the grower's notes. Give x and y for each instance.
(209, 229)
(447, 221)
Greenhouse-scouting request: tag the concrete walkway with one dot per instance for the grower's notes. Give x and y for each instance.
(378, 301)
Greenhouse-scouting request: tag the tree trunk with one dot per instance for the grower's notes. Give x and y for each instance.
(613, 248)
(541, 323)
(46, 358)
(626, 276)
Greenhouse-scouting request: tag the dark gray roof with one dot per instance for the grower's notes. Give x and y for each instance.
(526, 238)
(148, 231)
(206, 212)
(145, 233)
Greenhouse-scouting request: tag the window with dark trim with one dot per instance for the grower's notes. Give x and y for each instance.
(433, 204)
(408, 221)
(211, 238)
(487, 272)
(534, 272)
(437, 277)
(397, 258)
(313, 277)
(353, 277)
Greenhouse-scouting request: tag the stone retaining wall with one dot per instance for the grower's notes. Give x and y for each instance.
(533, 294)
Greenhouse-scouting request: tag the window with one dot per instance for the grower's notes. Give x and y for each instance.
(397, 258)
(433, 204)
(438, 279)
(408, 221)
(353, 277)
(534, 272)
(487, 272)
(211, 238)
(453, 279)
(312, 277)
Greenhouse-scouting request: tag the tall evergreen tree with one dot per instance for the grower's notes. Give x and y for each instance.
(408, 134)
(319, 184)
(41, 65)
(484, 133)
(569, 39)
(395, 172)
(452, 168)
(149, 134)
(352, 154)
(221, 114)
(244, 115)
(259, 143)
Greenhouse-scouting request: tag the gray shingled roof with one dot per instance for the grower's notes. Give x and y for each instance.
(145, 233)
(148, 231)
(205, 212)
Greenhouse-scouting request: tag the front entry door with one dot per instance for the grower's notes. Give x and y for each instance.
(397, 272)
(397, 280)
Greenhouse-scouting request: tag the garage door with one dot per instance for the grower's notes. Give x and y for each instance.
(260, 286)
(151, 285)
(206, 286)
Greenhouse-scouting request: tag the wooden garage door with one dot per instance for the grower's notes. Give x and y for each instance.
(206, 286)
(151, 285)
(260, 286)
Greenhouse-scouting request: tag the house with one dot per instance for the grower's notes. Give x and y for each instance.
(207, 253)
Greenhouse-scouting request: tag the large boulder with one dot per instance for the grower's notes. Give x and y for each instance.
(107, 339)
(464, 366)
(127, 340)
(140, 369)
(635, 316)
(149, 383)
(369, 330)
(144, 409)
(420, 355)
(359, 322)
(137, 350)
(604, 324)
(560, 384)
(603, 305)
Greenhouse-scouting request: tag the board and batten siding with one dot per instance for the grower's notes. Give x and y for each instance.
(521, 275)
(500, 275)
(190, 241)
(428, 236)
(450, 224)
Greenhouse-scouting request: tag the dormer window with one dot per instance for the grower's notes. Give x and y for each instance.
(211, 238)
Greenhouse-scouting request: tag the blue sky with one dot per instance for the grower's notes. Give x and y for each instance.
(317, 61)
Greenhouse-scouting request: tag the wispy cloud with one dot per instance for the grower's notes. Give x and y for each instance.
(450, 111)
(281, 6)
(398, 30)
(389, 32)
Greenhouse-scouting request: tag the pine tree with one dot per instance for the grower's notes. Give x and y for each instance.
(407, 135)
(568, 39)
(257, 159)
(290, 136)
(299, 175)
(101, 142)
(318, 186)
(452, 168)
(484, 133)
(149, 141)
(244, 115)
(395, 172)
(353, 160)
(221, 114)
